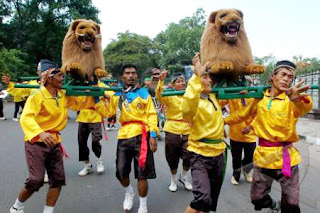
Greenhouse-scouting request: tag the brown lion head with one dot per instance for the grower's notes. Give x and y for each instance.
(82, 51)
(86, 32)
(228, 23)
(225, 45)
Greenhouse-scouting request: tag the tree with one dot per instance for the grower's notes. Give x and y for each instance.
(131, 48)
(13, 62)
(306, 65)
(269, 62)
(37, 27)
(179, 42)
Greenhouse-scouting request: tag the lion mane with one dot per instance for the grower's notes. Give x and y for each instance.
(82, 52)
(225, 45)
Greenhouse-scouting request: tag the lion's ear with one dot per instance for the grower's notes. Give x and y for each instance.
(98, 28)
(240, 13)
(212, 17)
(74, 24)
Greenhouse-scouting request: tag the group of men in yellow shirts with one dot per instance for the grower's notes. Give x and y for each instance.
(272, 120)
(194, 132)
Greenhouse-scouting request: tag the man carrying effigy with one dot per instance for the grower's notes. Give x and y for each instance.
(201, 108)
(44, 116)
(275, 157)
(177, 131)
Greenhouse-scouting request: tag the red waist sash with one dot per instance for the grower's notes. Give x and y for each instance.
(144, 143)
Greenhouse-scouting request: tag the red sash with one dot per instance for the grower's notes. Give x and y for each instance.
(144, 143)
(106, 138)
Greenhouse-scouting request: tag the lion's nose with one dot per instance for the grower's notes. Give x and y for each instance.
(89, 32)
(234, 17)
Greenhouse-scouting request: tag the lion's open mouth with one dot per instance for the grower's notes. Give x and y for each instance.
(86, 41)
(230, 30)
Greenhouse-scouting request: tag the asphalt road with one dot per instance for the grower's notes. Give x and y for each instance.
(104, 194)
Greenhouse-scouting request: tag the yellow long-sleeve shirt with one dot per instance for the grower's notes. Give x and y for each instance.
(205, 116)
(43, 113)
(21, 94)
(174, 123)
(138, 106)
(235, 130)
(17, 93)
(275, 121)
(91, 115)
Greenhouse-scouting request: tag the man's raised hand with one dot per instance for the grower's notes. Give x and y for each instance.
(163, 74)
(199, 69)
(295, 91)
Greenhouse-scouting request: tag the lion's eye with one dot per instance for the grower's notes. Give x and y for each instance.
(82, 27)
(223, 15)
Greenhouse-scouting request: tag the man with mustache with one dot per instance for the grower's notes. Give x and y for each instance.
(137, 136)
(44, 116)
(275, 157)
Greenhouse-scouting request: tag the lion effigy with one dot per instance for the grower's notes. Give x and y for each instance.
(82, 56)
(225, 45)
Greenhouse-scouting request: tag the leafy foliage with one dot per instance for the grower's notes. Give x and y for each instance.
(179, 42)
(269, 62)
(12, 61)
(306, 65)
(37, 27)
(130, 48)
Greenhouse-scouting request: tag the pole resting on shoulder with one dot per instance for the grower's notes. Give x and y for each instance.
(233, 92)
(77, 90)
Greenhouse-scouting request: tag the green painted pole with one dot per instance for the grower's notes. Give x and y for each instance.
(109, 80)
(73, 87)
(77, 90)
(221, 92)
(27, 86)
(29, 78)
(234, 92)
(221, 89)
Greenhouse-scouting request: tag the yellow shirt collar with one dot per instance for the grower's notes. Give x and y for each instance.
(46, 93)
(281, 96)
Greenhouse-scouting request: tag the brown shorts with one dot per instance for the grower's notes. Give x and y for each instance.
(39, 158)
(176, 148)
(207, 178)
(261, 187)
(128, 150)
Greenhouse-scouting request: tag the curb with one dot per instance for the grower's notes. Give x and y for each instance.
(310, 140)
